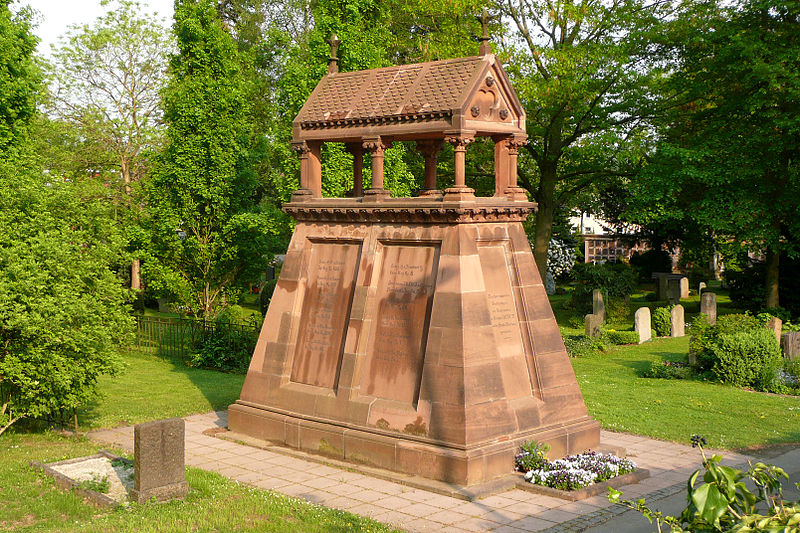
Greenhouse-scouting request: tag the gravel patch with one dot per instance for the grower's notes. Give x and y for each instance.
(120, 478)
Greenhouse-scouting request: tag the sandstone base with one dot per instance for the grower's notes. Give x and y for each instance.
(176, 491)
(414, 335)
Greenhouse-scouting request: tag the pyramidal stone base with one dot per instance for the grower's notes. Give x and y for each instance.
(413, 336)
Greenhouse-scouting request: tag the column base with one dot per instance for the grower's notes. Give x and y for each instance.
(430, 192)
(516, 194)
(302, 195)
(376, 195)
(459, 194)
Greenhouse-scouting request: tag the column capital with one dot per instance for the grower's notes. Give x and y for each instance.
(301, 148)
(459, 141)
(516, 142)
(376, 145)
(430, 147)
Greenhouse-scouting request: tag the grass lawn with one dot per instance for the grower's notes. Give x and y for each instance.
(29, 501)
(675, 409)
(153, 387)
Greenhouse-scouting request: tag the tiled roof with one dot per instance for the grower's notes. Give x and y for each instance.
(417, 89)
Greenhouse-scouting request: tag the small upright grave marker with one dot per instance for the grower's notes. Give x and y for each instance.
(678, 325)
(683, 284)
(641, 323)
(775, 324)
(159, 469)
(593, 325)
(791, 345)
(708, 306)
(598, 305)
(700, 287)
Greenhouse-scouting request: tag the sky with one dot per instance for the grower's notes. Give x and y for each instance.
(54, 16)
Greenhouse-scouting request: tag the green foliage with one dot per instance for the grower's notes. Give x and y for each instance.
(580, 345)
(210, 235)
(662, 321)
(227, 342)
(96, 483)
(747, 358)
(63, 314)
(722, 502)
(705, 336)
(615, 280)
(668, 370)
(651, 261)
(618, 309)
(533, 455)
(612, 336)
(20, 77)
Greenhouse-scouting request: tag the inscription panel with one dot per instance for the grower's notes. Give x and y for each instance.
(326, 308)
(502, 304)
(405, 291)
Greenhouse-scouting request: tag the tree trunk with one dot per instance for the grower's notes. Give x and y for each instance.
(136, 279)
(545, 196)
(771, 282)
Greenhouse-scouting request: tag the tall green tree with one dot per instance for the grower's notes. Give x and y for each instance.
(728, 158)
(62, 308)
(582, 71)
(210, 234)
(107, 79)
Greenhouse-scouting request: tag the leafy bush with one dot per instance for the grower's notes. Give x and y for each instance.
(621, 337)
(618, 310)
(668, 370)
(532, 456)
(226, 345)
(651, 261)
(662, 321)
(747, 358)
(722, 501)
(705, 336)
(615, 280)
(580, 345)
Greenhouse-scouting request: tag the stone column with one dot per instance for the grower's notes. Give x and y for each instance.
(459, 191)
(430, 149)
(513, 191)
(377, 148)
(358, 167)
(303, 193)
(315, 168)
(501, 163)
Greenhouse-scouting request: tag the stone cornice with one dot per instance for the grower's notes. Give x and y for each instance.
(410, 214)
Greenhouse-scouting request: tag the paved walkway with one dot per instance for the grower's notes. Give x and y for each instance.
(418, 510)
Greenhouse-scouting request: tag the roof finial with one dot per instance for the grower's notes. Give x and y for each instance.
(484, 19)
(333, 61)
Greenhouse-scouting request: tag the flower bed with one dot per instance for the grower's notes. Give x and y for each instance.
(575, 472)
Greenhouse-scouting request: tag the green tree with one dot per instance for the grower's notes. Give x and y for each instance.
(210, 234)
(20, 78)
(62, 308)
(106, 83)
(727, 161)
(582, 72)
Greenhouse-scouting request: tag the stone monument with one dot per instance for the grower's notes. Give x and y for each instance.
(413, 334)
(791, 345)
(678, 325)
(598, 305)
(159, 470)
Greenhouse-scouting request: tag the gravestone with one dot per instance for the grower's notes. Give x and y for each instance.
(700, 287)
(598, 305)
(158, 461)
(593, 325)
(674, 292)
(678, 326)
(708, 306)
(413, 334)
(684, 287)
(662, 284)
(791, 345)
(641, 323)
(775, 324)
(549, 284)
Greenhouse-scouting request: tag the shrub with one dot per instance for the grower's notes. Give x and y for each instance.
(580, 345)
(662, 321)
(668, 370)
(618, 309)
(621, 337)
(560, 258)
(747, 358)
(226, 344)
(705, 336)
